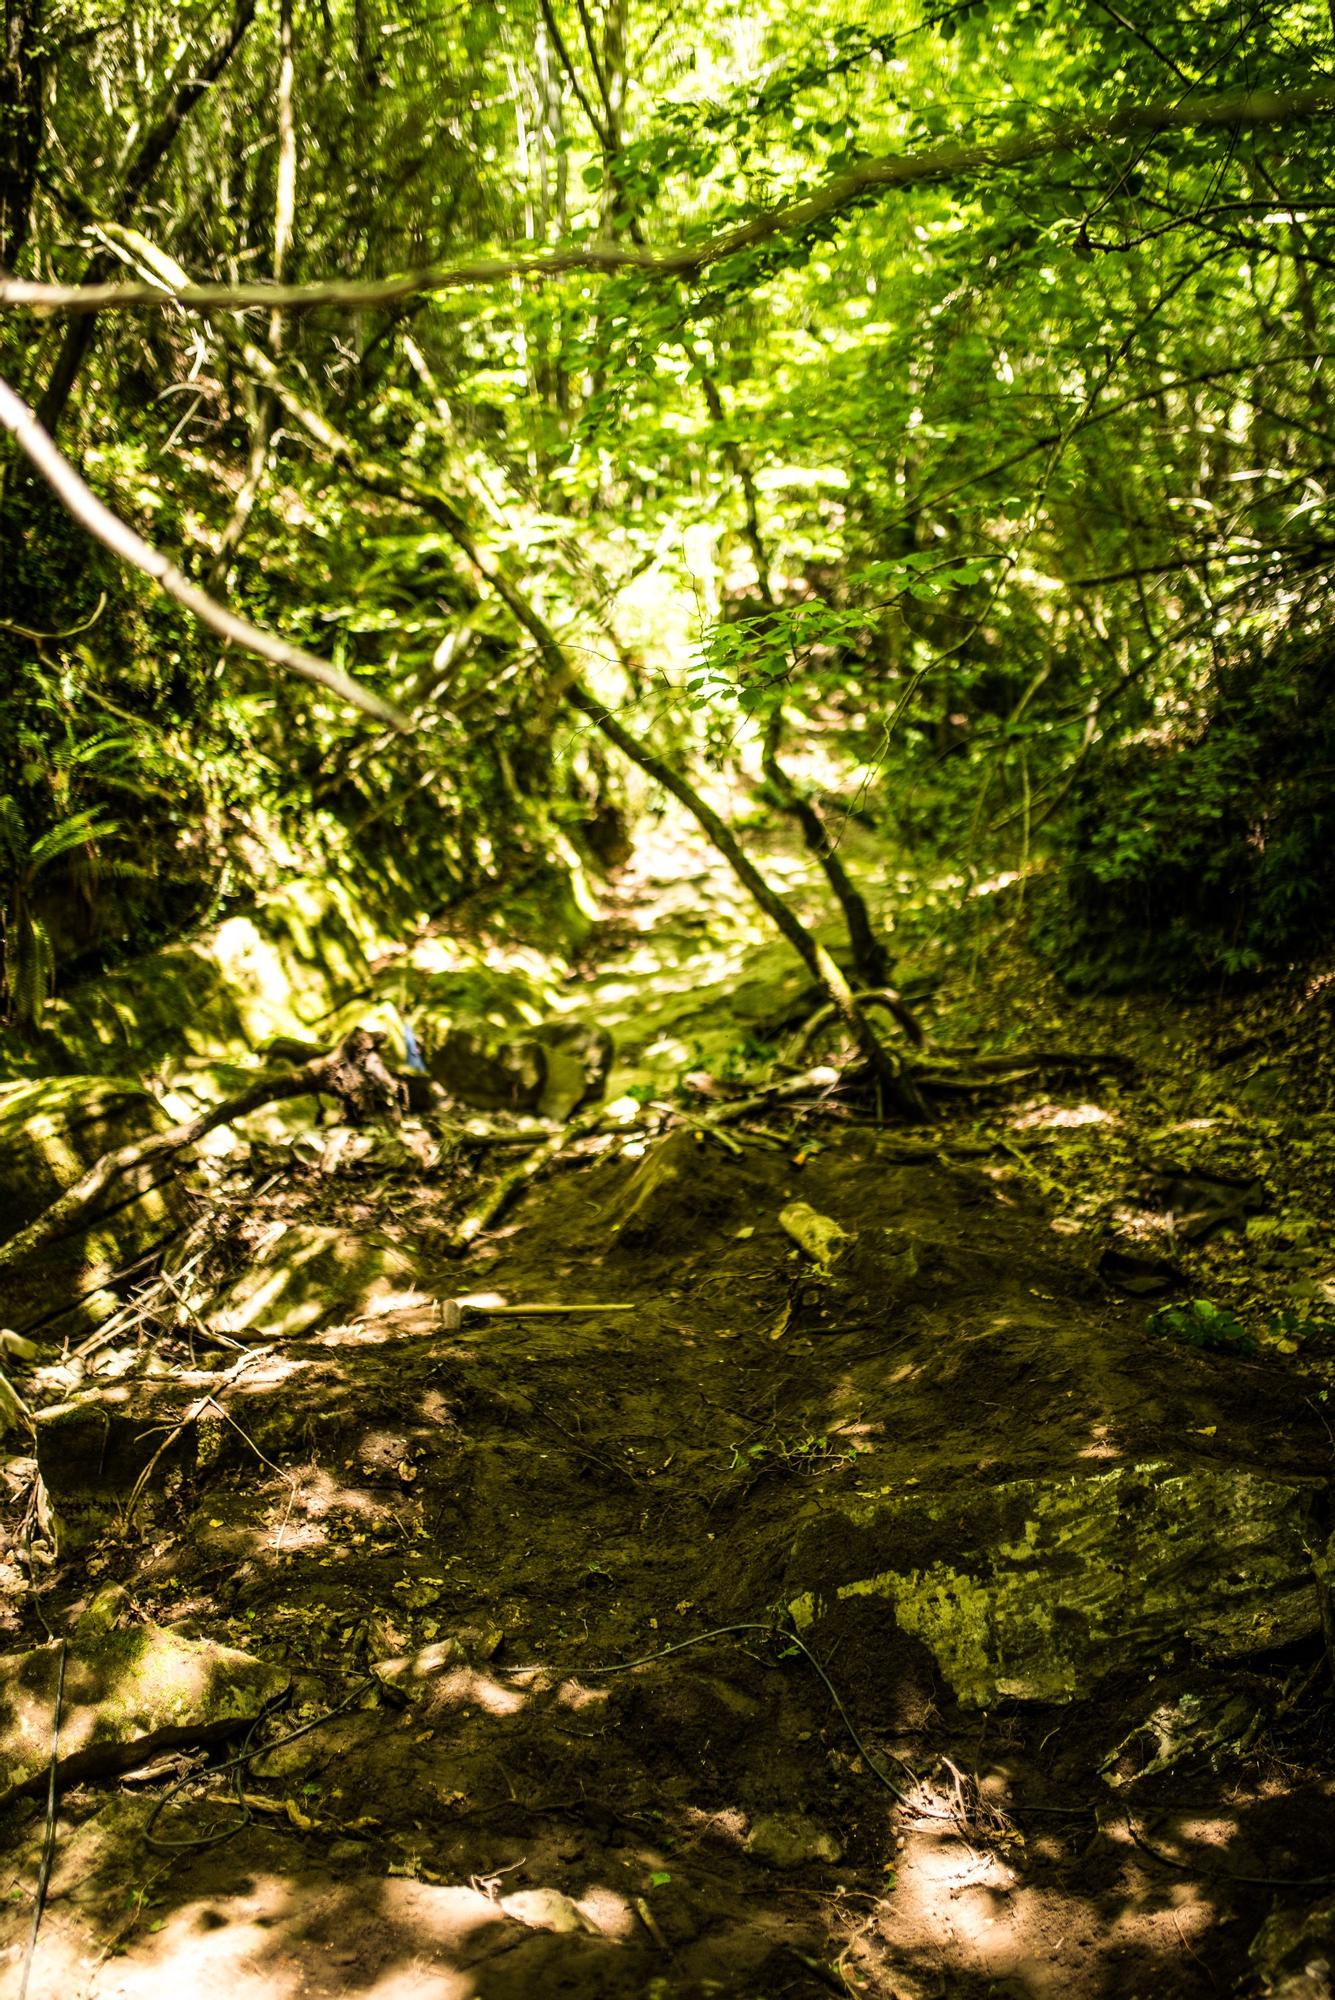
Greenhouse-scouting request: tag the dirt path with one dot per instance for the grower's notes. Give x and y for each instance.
(521, 1503)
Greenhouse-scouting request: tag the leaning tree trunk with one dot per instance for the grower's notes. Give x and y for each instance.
(898, 1089)
(871, 959)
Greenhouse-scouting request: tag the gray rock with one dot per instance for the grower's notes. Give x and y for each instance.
(485, 1068)
(1034, 1589)
(547, 1910)
(552, 1067)
(127, 1696)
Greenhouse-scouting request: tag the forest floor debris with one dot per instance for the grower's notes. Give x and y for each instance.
(455, 1521)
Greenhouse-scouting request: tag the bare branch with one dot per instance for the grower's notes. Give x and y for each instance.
(116, 535)
(596, 61)
(954, 160)
(152, 151)
(572, 74)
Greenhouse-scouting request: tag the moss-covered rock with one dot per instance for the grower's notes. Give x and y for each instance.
(280, 968)
(1034, 1589)
(487, 1069)
(1293, 1953)
(126, 1697)
(52, 1130)
(308, 1277)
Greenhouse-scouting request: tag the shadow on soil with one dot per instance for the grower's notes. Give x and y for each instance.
(530, 1500)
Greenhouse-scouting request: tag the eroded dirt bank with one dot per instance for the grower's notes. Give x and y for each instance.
(1058, 1570)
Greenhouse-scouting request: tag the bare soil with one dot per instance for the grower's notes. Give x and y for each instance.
(560, 1496)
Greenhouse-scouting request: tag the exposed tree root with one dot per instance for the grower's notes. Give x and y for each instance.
(488, 1207)
(355, 1074)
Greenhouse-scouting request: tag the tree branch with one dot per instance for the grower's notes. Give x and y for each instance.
(157, 143)
(954, 160)
(121, 539)
(572, 74)
(354, 1073)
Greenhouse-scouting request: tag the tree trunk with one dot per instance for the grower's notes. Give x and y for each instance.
(871, 959)
(20, 124)
(266, 406)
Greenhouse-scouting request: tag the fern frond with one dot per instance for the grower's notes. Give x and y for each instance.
(76, 831)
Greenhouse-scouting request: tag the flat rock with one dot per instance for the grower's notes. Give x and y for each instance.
(94, 1450)
(1033, 1589)
(308, 1277)
(127, 1696)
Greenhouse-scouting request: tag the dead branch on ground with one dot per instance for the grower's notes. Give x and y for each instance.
(355, 1074)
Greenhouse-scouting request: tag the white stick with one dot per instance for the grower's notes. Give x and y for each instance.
(116, 535)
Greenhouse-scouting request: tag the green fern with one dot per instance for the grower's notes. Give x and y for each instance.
(27, 977)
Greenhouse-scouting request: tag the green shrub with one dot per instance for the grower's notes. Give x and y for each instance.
(1214, 857)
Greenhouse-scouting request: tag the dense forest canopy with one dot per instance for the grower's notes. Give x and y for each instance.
(952, 382)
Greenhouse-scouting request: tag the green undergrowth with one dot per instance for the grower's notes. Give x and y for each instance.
(1211, 856)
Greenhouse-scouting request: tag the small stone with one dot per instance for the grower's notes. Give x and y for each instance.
(786, 1840)
(820, 1236)
(546, 1910)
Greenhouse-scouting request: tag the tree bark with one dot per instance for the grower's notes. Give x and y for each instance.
(20, 124)
(871, 959)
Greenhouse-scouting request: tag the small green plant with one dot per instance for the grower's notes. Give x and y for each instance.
(28, 963)
(1295, 1327)
(809, 1454)
(742, 1057)
(1203, 1324)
